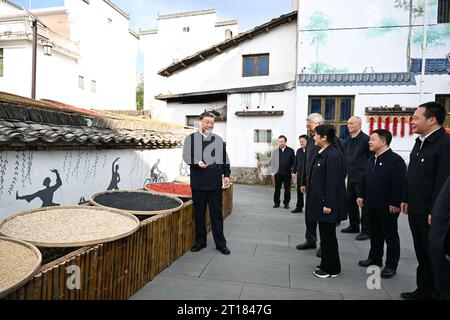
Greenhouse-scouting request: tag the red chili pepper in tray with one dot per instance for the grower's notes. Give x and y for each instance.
(171, 188)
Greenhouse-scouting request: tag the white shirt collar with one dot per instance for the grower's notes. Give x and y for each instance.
(354, 136)
(282, 149)
(422, 138)
(204, 135)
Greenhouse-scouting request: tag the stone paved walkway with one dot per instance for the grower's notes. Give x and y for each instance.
(264, 263)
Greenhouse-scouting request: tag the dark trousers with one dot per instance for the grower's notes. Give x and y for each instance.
(300, 200)
(213, 198)
(330, 262)
(282, 179)
(353, 210)
(418, 223)
(384, 227)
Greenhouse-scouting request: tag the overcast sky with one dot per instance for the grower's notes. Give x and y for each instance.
(143, 13)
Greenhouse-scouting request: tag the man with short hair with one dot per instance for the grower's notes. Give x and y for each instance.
(380, 193)
(206, 155)
(356, 151)
(299, 166)
(312, 121)
(282, 162)
(429, 168)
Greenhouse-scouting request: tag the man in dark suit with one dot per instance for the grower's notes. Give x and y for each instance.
(313, 121)
(356, 150)
(206, 155)
(380, 193)
(299, 165)
(440, 241)
(282, 163)
(427, 172)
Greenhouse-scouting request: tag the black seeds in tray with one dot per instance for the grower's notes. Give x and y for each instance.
(136, 201)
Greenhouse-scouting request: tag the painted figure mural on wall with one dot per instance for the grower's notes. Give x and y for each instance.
(184, 169)
(156, 175)
(115, 178)
(46, 195)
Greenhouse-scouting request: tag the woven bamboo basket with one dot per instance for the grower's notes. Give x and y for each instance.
(55, 225)
(27, 272)
(138, 212)
(180, 196)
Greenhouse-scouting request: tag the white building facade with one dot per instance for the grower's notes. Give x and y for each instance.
(356, 66)
(249, 80)
(177, 36)
(93, 60)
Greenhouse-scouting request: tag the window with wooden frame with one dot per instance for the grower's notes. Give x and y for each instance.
(263, 136)
(335, 110)
(255, 65)
(445, 101)
(192, 121)
(1, 62)
(443, 11)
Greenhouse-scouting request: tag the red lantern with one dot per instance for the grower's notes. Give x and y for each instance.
(371, 124)
(380, 122)
(410, 126)
(387, 123)
(394, 127)
(402, 130)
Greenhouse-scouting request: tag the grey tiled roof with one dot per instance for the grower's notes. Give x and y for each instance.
(34, 126)
(432, 66)
(357, 79)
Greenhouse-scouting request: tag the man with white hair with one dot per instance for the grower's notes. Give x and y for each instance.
(357, 152)
(312, 121)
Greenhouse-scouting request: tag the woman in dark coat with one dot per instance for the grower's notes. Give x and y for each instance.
(326, 198)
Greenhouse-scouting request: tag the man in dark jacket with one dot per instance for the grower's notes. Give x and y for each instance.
(282, 163)
(299, 166)
(312, 150)
(206, 155)
(427, 171)
(440, 241)
(356, 150)
(380, 193)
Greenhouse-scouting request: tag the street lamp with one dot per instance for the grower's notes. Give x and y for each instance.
(47, 50)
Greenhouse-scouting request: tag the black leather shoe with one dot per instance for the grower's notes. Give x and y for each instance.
(197, 247)
(369, 262)
(286, 206)
(307, 245)
(297, 210)
(319, 252)
(415, 295)
(224, 250)
(388, 273)
(350, 230)
(276, 205)
(362, 237)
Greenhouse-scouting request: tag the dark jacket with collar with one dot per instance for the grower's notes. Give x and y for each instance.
(428, 170)
(283, 162)
(440, 240)
(299, 163)
(212, 151)
(326, 187)
(310, 154)
(356, 151)
(383, 183)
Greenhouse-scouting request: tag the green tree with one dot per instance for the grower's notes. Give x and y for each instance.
(318, 27)
(140, 96)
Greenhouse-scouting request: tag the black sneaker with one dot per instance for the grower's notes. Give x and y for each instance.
(388, 273)
(276, 205)
(415, 295)
(307, 245)
(350, 230)
(324, 275)
(297, 210)
(362, 237)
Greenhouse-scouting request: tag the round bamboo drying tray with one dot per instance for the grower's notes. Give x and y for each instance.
(189, 196)
(13, 272)
(139, 212)
(69, 226)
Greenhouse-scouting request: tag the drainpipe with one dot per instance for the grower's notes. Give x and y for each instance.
(424, 50)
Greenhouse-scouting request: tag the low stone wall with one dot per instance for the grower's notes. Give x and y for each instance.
(245, 175)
